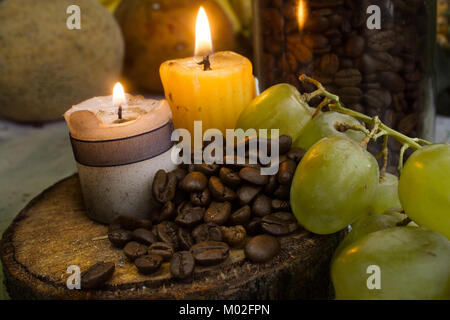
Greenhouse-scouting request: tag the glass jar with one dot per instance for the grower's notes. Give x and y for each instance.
(375, 54)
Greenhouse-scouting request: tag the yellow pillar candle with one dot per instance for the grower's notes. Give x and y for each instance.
(216, 95)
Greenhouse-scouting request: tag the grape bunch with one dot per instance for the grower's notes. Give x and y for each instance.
(400, 227)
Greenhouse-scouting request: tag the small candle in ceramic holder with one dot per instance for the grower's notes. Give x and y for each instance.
(119, 142)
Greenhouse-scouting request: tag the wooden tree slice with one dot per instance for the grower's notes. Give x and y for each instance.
(53, 233)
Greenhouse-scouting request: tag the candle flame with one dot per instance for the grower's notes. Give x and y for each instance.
(302, 14)
(203, 42)
(119, 98)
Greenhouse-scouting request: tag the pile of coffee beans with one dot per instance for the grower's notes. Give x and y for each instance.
(207, 209)
(377, 72)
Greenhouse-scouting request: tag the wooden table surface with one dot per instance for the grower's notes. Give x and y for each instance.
(34, 158)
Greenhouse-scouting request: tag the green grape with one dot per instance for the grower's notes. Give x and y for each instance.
(333, 185)
(414, 263)
(366, 225)
(386, 195)
(279, 107)
(327, 125)
(424, 188)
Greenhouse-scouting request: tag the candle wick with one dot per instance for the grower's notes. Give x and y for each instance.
(206, 63)
(120, 113)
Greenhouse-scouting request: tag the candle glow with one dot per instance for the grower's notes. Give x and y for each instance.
(119, 98)
(302, 13)
(203, 42)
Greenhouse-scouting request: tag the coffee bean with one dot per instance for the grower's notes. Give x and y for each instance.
(317, 24)
(378, 99)
(408, 123)
(286, 172)
(350, 95)
(370, 86)
(148, 264)
(247, 193)
(194, 181)
(291, 61)
(315, 41)
(253, 227)
(134, 250)
(240, 216)
(262, 206)
(201, 198)
(254, 176)
(335, 20)
(282, 192)
(300, 52)
(281, 159)
(185, 239)
(381, 40)
(234, 235)
(132, 223)
(348, 78)
(180, 196)
(355, 46)
(346, 63)
(370, 77)
(167, 231)
(262, 248)
(164, 185)
(329, 64)
(168, 212)
(182, 265)
(161, 249)
(280, 205)
(219, 191)
(207, 232)
(391, 81)
(210, 253)
(384, 61)
(279, 224)
(296, 154)
(180, 173)
(218, 212)
(323, 11)
(188, 215)
(237, 163)
(229, 178)
(270, 188)
(207, 169)
(144, 236)
(325, 79)
(285, 143)
(119, 238)
(97, 275)
(389, 118)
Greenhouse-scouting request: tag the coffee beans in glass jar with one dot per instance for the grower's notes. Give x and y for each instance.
(375, 54)
(219, 208)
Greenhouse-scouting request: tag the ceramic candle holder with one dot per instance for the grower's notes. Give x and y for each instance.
(118, 158)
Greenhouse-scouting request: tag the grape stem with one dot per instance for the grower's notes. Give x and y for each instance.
(404, 222)
(371, 135)
(381, 128)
